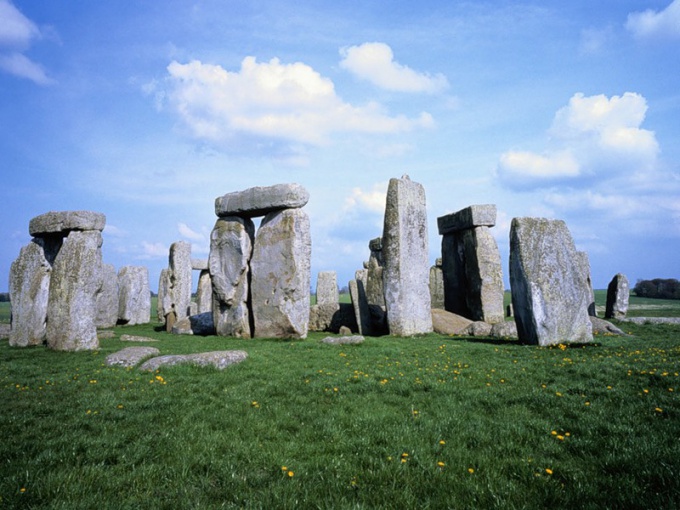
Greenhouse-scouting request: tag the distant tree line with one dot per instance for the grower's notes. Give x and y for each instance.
(4, 297)
(658, 288)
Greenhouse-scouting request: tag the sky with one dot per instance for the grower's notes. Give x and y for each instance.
(147, 111)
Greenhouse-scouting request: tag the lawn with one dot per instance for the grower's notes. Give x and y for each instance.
(429, 422)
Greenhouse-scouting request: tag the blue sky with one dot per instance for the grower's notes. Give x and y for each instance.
(147, 111)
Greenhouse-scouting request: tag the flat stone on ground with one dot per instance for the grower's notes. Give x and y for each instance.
(259, 201)
(447, 323)
(343, 340)
(218, 359)
(130, 356)
(66, 221)
(134, 338)
(603, 327)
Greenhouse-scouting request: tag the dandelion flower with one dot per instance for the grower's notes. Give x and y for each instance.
(291, 474)
(549, 471)
(284, 468)
(442, 442)
(470, 470)
(441, 464)
(658, 410)
(22, 490)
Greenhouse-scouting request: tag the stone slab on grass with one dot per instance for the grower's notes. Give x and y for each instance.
(448, 323)
(343, 340)
(131, 356)
(134, 338)
(652, 320)
(218, 359)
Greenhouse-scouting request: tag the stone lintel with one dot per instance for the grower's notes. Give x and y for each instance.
(470, 217)
(66, 221)
(259, 201)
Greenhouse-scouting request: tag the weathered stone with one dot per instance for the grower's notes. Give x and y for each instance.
(107, 298)
(327, 288)
(345, 331)
(447, 323)
(130, 356)
(478, 328)
(106, 334)
(4, 330)
(453, 273)
(281, 277)
(134, 338)
(260, 201)
(436, 287)
(603, 327)
(361, 275)
(180, 279)
(507, 329)
(344, 340)
(470, 217)
(231, 246)
(63, 222)
(29, 285)
(201, 324)
(199, 264)
(361, 310)
(76, 279)
(405, 252)
(218, 359)
(374, 283)
(134, 303)
(193, 308)
(204, 292)
(323, 317)
(652, 320)
(584, 264)
(618, 293)
(164, 301)
(550, 295)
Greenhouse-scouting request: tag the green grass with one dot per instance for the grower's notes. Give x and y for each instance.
(513, 426)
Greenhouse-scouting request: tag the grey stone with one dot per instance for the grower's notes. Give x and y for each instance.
(105, 334)
(436, 287)
(63, 222)
(260, 201)
(344, 340)
(281, 276)
(361, 275)
(550, 294)
(201, 324)
(470, 217)
(618, 292)
(107, 298)
(374, 283)
(584, 264)
(218, 359)
(231, 246)
(603, 327)
(478, 328)
(345, 331)
(199, 264)
(447, 323)
(193, 308)
(164, 301)
(180, 279)
(652, 320)
(327, 288)
(130, 356)
(76, 279)
(360, 304)
(135, 338)
(134, 298)
(507, 329)
(323, 317)
(4, 330)
(204, 292)
(29, 285)
(405, 252)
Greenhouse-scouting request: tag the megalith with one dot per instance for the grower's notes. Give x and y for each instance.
(261, 200)
(584, 264)
(361, 310)
(327, 288)
(180, 279)
(204, 292)
(231, 245)
(405, 254)
(549, 291)
(164, 302)
(107, 299)
(618, 293)
(281, 276)
(134, 303)
(437, 285)
(75, 282)
(374, 274)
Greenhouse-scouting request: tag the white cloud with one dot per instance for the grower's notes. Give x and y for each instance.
(653, 24)
(373, 200)
(187, 232)
(272, 101)
(375, 63)
(113, 231)
(153, 250)
(23, 67)
(521, 168)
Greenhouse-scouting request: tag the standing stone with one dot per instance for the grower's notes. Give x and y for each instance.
(453, 269)
(29, 285)
(437, 285)
(134, 303)
(281, 275)
(76, 280)
(164, 301)
(405, 252)
(180, 279)
(549, 292)
(374, 274)
(107, 299)
(584, 264)
(617, 297)
(327, 288)
(360, 304)
(204, 292)
(361, 275)
(231, 246)
(483, 275)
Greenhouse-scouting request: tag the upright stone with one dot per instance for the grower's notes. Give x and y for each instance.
(76, 280)
(29, 285)
(437, 285)
(281, 275)
(260, 201)
(231, 246)
(361, 275)
(405, 252)
(180, 279)
(453, 272)
(360, 304)
(483, 275)
(618, 293)
(549, 292)
(374, 274)
(327, 288)
(584, 264)
(107, 299)
(204, 292)
(134, 303)
(164, 301)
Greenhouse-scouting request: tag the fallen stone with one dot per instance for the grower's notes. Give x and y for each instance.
(345, 331)
(470, 217)
(447, 323)
(260, 201)
(134, 298)
(130, 356)
(603, 327)
(478, 328)
(344, 340)
(64, 222)
(106, 334)
(134, 338)
(218, 359)
(322, 317)
(201, 325)
(507, 329)
(107, 298)
(618, 293)
(652, 320)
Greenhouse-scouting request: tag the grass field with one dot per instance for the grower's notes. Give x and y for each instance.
(431, 422)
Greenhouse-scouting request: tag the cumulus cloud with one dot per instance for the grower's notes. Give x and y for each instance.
(656, 24)
(17, 32)
(594, 136)
(375, 63)
(272, 101)
(189, 233)
(372, 200)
